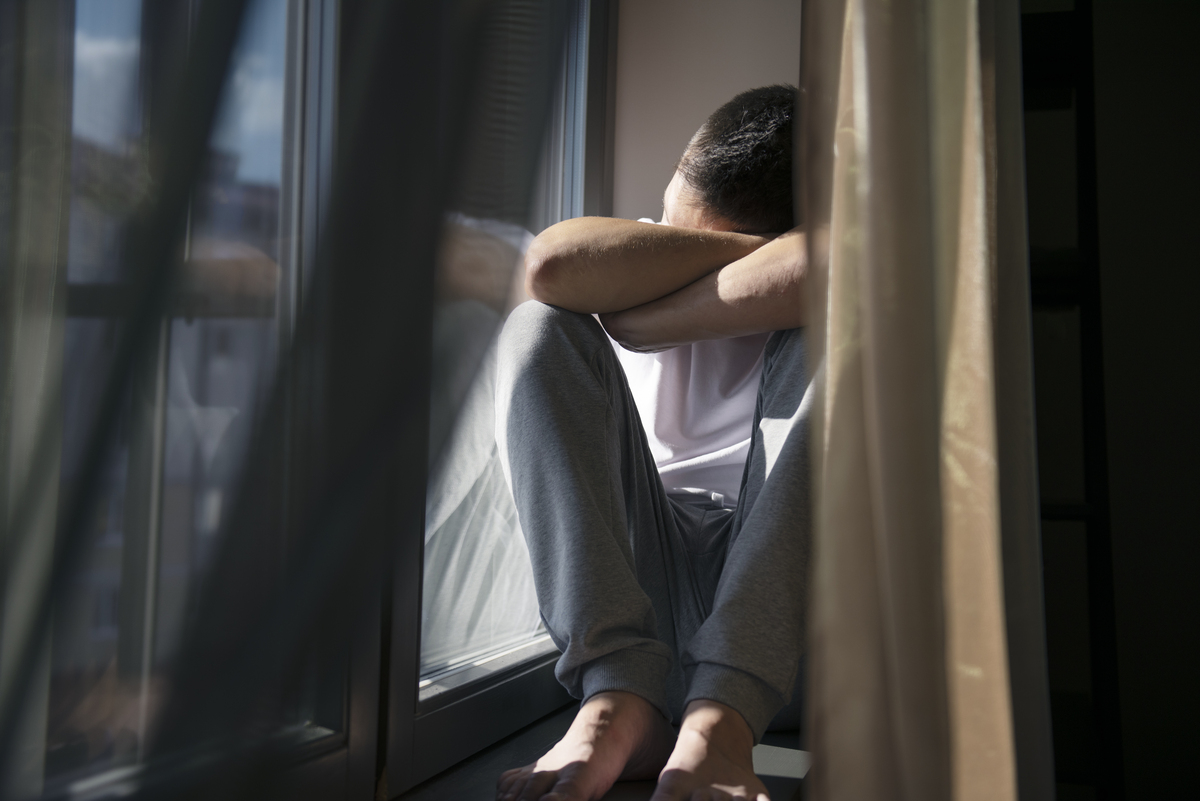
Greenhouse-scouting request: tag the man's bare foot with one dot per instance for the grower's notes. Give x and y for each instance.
(712, 759)
(615, 736)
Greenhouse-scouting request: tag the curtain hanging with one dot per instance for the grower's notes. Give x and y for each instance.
(35, 124)
(927, 660)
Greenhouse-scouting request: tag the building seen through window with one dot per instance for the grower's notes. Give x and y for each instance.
(188, 419)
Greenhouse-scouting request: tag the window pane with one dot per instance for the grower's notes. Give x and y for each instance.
(1064, 567)
(108, 168)
(1050, 172)
(96, 703)
(224, 341)
(189, 416)
(478, 593)
(98, 699)
(479, 610)
(1057, 373)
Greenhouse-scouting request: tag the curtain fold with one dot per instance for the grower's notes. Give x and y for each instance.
(926, 529)
(35, 123)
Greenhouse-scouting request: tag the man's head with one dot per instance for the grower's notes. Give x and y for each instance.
(737, 170)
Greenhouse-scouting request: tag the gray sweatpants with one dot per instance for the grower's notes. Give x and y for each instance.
(644, 592)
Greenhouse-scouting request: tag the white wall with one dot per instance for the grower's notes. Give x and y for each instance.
(677, 61)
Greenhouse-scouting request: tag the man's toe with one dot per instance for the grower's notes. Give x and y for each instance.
(507, 779)
(511, 782)
(568, 790)
(537, 785)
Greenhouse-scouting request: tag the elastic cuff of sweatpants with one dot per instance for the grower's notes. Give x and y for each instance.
(629, 671)
(748, 694)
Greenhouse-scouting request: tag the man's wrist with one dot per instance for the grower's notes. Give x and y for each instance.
(640, 329)
(619, 327)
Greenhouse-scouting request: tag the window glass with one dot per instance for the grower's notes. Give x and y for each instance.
(187, 420)
(98, 701)
(1050, 173)
(1058, 376)
(108, 170)
(479, 605)
(223, 338)
(1065, 577)
(479, 609)
(95, 706)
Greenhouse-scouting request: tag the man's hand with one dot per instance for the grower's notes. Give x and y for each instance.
(762, 291)
(596, 265)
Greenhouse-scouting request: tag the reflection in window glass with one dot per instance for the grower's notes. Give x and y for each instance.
(96, 705)
(479, 609)
(479, 605)
(93, 717)
(188, 416)
(108, 172)
(223, 345)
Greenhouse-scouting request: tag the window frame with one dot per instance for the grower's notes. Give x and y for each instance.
(426, 738)
(343, 764)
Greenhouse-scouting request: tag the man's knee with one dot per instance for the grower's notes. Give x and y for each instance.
(535, 329)
(786, 373)
(534, 317)
(786, 352)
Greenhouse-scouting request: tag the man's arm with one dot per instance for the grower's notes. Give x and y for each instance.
(595, 265)
(763, 291)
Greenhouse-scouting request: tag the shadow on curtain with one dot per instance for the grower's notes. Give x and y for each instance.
(926, 642)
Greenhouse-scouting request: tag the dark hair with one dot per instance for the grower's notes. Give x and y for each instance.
(740, 161)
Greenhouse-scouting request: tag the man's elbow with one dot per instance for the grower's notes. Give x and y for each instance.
(540, 267)
(546, 273)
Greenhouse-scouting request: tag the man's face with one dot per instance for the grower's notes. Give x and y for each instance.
(683, 208)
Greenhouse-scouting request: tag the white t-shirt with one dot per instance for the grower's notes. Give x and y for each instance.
(697, 407)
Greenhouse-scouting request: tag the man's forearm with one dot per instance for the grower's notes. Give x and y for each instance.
(761, 292)
(600, 264)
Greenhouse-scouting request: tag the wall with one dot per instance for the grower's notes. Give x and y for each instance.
(677, 61)
(1148, 171)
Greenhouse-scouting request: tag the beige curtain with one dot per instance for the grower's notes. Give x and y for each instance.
(927, 659)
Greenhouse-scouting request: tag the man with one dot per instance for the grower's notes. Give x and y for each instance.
(662, 485)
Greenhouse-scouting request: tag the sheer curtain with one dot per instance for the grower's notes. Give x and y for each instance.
(927, 658)
(35, 115)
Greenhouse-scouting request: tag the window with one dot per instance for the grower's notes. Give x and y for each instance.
(234, 388)
(485, 660)
(195, 397)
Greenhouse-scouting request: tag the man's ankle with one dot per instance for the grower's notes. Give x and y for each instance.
(604, 708)
(619, 699)
(718, 723)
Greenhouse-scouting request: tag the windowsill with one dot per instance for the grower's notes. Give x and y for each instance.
(445, 687)
(778, 762)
